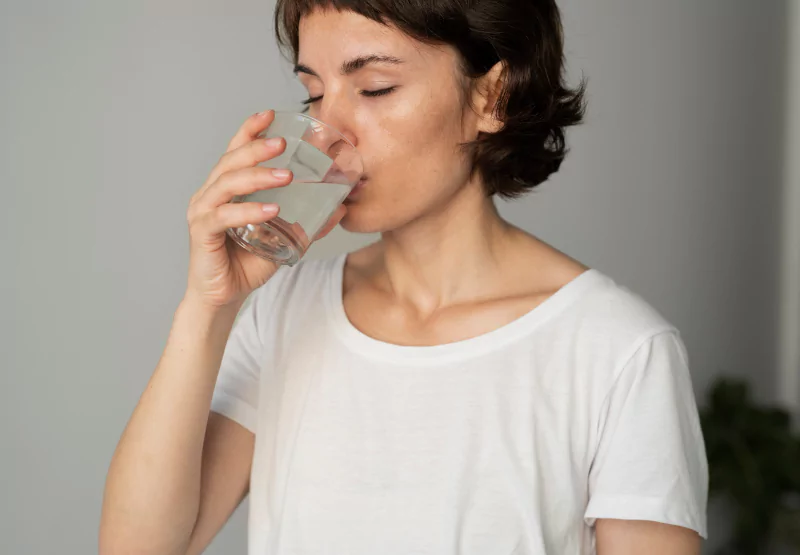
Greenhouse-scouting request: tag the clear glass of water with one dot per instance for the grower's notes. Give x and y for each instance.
(325, 167)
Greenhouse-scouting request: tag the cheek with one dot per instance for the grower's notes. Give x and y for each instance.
(414, 148)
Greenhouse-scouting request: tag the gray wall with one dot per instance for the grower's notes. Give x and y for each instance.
(111, 116)
(789, 351)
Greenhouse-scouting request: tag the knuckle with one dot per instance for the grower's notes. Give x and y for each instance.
(198, 214)
(255, 153)
(214, 216)
(192, 218)
(258, 174)
(222, 177)
(220, 183)
(192, 224)
(198, 195)
(225, 179)
(208, 220)
(192, 210)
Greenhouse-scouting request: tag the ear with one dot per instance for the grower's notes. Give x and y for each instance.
(485, 96)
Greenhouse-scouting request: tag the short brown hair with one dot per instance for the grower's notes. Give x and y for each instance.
(535, 105)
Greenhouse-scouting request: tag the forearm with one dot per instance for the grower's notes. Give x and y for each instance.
(153, 486)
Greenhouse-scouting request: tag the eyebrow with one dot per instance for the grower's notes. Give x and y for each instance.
(351, 66)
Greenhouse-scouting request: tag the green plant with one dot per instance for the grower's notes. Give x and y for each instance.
(754, 461)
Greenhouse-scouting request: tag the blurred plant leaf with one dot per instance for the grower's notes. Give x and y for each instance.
(754, 461)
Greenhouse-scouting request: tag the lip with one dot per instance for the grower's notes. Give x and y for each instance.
(357, 189)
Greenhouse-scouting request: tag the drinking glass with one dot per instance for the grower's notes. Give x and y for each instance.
(325, 167)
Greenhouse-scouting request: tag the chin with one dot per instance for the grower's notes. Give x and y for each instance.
(373, 215)
(362, 219)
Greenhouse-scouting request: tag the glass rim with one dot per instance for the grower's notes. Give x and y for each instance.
(326, 125)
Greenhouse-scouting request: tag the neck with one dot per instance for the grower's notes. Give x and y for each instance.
(449, 256)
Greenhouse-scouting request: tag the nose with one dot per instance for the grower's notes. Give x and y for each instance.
(337, 127)
(335, 138)
(328, 138)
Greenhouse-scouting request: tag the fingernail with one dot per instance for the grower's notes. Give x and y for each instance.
(270, 208)
(281, 173)
(273, 142)
(263, 114)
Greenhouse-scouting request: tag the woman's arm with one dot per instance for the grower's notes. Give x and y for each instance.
(177, 473)
(227, 458)
(634, 537)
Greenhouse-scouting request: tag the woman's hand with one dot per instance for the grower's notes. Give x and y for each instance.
(220, 272)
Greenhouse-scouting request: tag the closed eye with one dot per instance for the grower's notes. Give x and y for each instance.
(368, 94)
(379, 92)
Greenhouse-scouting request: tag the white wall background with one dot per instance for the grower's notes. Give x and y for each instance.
(112, 115)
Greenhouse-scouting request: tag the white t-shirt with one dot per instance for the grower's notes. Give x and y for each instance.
(510, 443)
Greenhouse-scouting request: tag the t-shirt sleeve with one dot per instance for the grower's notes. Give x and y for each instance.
(650, 462)
(237, 387)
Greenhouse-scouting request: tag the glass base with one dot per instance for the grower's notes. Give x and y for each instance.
(269, 240)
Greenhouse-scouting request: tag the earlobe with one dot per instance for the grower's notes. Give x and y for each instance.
(491, 125)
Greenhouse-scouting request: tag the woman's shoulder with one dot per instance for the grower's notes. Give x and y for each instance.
(610, 313)
(594, 302)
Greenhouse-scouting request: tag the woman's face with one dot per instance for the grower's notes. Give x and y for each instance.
(409, 136)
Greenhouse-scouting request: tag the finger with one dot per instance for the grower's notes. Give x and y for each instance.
(334, 220)
(246, 156)
(242, 182)
(250, 129)
(232, 215)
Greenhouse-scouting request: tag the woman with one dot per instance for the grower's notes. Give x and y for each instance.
(458, 387)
